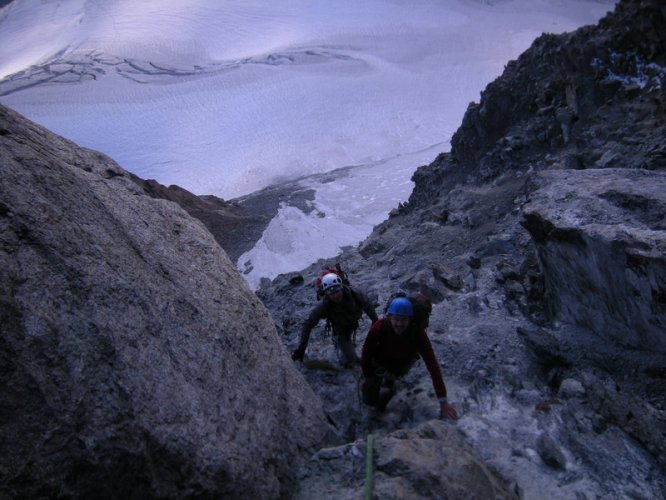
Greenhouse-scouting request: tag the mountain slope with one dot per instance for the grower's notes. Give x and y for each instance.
(138, 363)
(541, 236)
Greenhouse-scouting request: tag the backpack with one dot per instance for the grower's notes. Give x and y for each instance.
(335, 270)
(422, 305)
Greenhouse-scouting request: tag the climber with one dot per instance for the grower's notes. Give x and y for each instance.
(342, 307)
(390, 349)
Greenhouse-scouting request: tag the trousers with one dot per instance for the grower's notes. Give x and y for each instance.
(346, 350)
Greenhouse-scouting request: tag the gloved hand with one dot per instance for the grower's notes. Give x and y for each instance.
(298, 354)
(447, 411)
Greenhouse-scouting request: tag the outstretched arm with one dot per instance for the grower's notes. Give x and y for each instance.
(315, 315)
(428, 355)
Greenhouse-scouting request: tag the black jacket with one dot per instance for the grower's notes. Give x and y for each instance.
(343, 316)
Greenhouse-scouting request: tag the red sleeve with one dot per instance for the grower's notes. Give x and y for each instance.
(428, 355)
(369, 348)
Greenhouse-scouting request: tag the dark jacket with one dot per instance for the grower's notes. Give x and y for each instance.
(395, 353)
(343, 316)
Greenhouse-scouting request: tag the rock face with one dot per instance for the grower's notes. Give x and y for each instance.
(540, 237)
(237, 224)
(601, 241)
(135, 362)
(588, 99)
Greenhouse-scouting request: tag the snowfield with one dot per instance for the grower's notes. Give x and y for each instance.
(227, 97)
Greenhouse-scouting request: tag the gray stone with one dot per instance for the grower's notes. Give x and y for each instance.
(135, 360)
(570, 388)
(550, 452)
(601, 238)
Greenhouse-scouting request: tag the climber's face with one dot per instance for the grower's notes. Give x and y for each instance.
(399, 323)
(336, 296)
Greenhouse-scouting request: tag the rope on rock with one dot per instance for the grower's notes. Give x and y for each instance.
(369, 480)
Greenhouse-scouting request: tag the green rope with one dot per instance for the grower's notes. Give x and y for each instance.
(368, 468)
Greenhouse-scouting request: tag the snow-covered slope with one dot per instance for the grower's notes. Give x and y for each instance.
(227, 97)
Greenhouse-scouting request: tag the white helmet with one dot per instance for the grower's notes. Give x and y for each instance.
(331, 283)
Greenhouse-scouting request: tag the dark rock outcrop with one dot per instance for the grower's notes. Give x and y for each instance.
(134, 360)
(582, 100)
(236, 224)
(601, 240)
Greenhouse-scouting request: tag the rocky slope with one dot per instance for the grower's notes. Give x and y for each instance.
(542, 238)
(134, 360)
(236, 224)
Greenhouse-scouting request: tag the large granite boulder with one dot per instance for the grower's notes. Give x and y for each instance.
(134, 360)
(601, 241)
